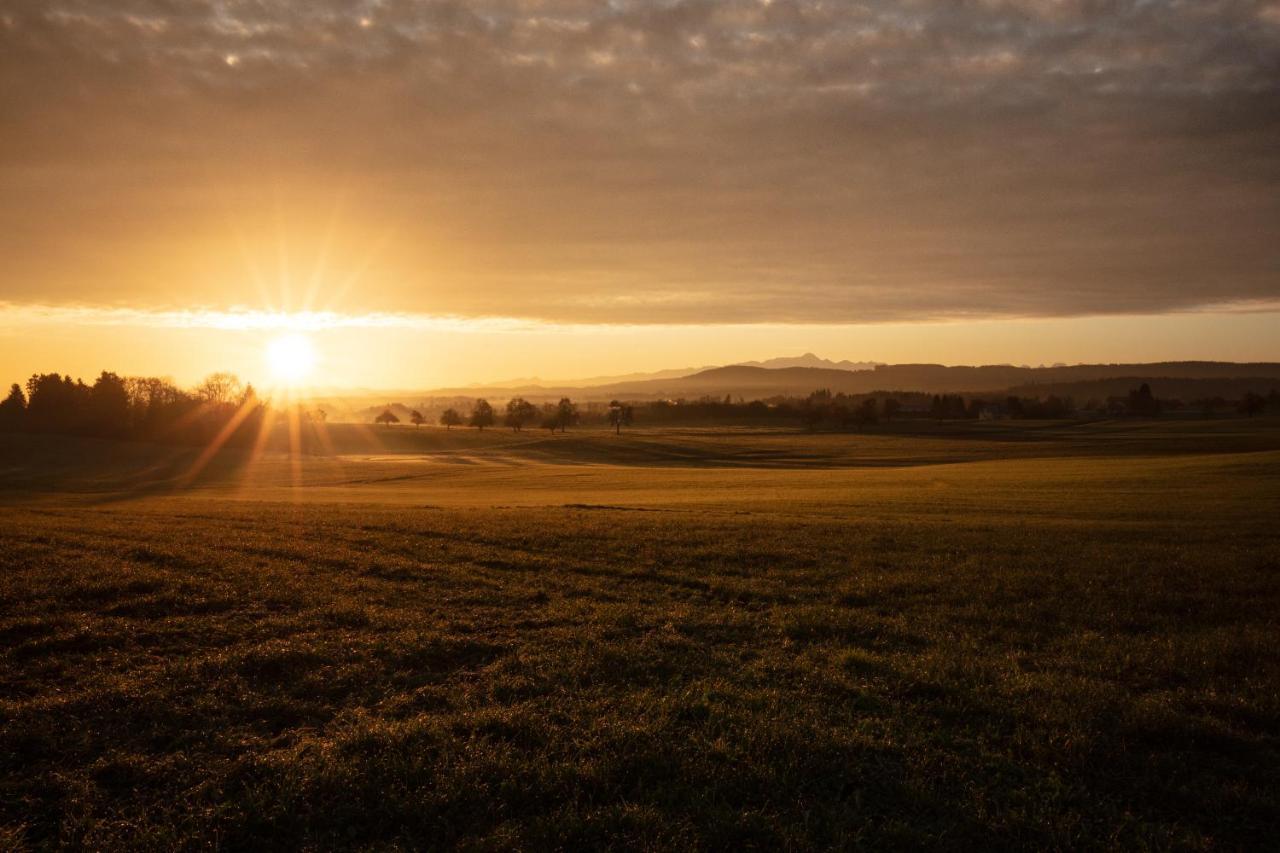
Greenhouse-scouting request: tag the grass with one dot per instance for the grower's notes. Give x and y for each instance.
(1064, 637)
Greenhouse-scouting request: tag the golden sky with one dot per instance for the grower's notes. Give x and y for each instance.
(478, 190)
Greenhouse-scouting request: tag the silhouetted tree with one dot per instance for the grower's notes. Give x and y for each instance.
(220, 388)
(387, 418)
(566, 413)
(141, 407)
(108, 410)
(1252, 404)
(948, 406)
(13, 409)
(481, 414)
(1143, 402)
(450, 418)
(519, 412)
(619, 416)
(816, 408)
(156, 404)
(55, 403)
(865, 413)
(888, 408)
(416, 418)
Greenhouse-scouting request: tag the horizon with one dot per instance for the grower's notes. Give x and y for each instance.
(312, 390)
(188, 346)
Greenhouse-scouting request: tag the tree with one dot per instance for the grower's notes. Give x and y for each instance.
(889, 407)
(1252, 404)
(416, 418)
(619, 416)
(450, 418)
(55, 403)
(108, 411)
(1143, 402)
(566, 413)
(387, 417)
(156, 403)
(519, 412)
(481, 414)
(13, 409)
(865, 413)
(219, 388)
(816, 408)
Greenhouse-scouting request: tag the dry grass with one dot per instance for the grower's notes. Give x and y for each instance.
(531, 649)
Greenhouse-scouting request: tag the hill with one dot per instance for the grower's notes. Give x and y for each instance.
(748, 382)
(1184, 379)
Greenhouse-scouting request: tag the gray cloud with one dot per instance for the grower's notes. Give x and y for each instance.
(647, 162)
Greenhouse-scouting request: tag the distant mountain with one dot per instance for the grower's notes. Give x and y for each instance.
(809, 360)
(538, 382)
(751, 382)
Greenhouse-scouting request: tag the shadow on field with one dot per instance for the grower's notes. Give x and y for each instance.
(104, 470)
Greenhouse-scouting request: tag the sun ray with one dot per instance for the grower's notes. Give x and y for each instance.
(320, 268)
(283, 267)
(228, 429)
(295, 450)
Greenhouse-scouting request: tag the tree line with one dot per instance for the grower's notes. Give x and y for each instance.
(823, 409)
(150, 408)
(136, 407)
(519, 414)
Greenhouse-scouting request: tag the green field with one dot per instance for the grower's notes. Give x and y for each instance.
(985, 636)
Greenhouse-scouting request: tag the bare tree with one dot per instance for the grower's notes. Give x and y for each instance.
(620, 415)
(566, 413)
(481, 414)
(220, 388)
(519, 412)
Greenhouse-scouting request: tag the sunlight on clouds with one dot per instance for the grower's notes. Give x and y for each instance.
(14, 315)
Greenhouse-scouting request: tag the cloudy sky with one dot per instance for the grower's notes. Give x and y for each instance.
(769, 172)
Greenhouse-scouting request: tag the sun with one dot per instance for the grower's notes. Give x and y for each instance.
(291, 359)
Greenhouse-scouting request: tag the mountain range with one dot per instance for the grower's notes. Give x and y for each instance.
(809, 360)
(757, 382)
(806, 360)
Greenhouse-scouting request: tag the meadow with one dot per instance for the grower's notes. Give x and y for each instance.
(970, 636)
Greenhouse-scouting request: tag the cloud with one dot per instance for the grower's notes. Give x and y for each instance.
(637, 162)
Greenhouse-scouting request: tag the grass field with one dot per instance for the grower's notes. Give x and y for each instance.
(1012, 635)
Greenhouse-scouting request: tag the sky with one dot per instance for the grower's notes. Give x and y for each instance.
(469, 191)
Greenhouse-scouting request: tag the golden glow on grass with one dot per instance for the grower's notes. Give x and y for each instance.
(291, 359)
